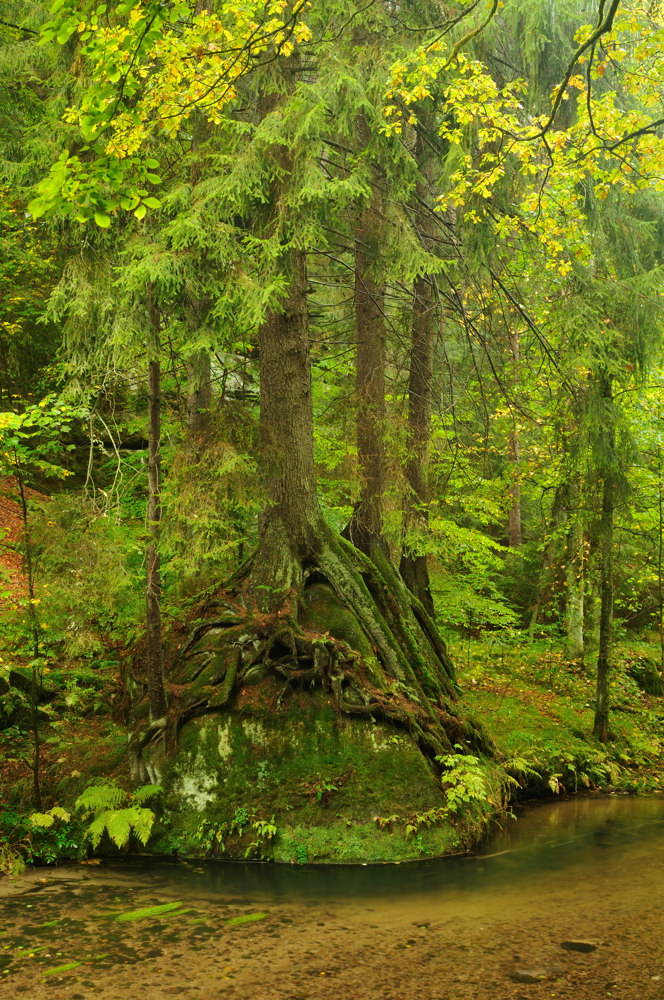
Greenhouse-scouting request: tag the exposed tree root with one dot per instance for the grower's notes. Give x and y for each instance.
(352, 629)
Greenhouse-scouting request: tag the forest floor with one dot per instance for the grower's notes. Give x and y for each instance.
(538, 708)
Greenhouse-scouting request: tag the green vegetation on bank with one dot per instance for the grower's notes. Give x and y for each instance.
(536, 707)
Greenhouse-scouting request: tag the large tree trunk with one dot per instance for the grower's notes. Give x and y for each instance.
(366, 525)
(601, 723)
(291, 522)
(414, 566)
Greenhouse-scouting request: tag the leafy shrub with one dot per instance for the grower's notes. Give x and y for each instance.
(464, 780)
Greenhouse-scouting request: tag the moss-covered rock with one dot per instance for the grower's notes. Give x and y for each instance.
(308, 732)
(337, 788)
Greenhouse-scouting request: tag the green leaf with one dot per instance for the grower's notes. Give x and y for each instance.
(65, 32)
(140, 212)
(148, 911)
(246, 918)
(102, 219)
(59, 969)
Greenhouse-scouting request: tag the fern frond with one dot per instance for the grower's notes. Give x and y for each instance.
(42, 819)
(146, 792)
(97, 798)
(59, 813)
(120, 823)
(95, 831)
(143, 825)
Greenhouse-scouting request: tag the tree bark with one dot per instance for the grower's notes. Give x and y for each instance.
(601, 723)
(366, 525)
(155, 670)
(575, 572)
(414, 566)
(199, 392)
(289, 526)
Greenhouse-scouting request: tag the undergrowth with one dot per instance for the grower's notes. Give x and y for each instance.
(538, 709)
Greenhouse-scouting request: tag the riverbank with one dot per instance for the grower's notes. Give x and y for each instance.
(536, 707)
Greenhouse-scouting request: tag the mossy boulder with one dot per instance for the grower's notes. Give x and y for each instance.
(337, 789)
(310, 732)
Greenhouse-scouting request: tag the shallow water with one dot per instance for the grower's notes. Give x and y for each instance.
(588, 868)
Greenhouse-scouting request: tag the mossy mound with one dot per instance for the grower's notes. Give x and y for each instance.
(336, 788)
(310, 732)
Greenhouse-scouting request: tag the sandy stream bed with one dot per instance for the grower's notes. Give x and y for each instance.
(413, 948)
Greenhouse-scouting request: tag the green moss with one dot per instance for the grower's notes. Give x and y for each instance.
(362, 843)
(325, 612)
(646, 674)
(245, 918)
(309, 769)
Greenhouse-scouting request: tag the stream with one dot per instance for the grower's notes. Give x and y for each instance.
(565, 902)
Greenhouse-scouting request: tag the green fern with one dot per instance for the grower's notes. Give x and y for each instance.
(47, 819)
(117, 813)
(96, 798)
(146, 792)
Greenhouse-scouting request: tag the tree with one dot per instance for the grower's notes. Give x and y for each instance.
(31, 448)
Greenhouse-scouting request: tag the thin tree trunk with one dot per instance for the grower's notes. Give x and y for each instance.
(514, 534)
(601, 723)
(155, 670)
(36, 643)
(575, 573)
(414, 565)
(199, 392)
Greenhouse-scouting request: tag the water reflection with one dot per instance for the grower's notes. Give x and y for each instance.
(584, 837)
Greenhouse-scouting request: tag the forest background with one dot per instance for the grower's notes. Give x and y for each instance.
(451, 217)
